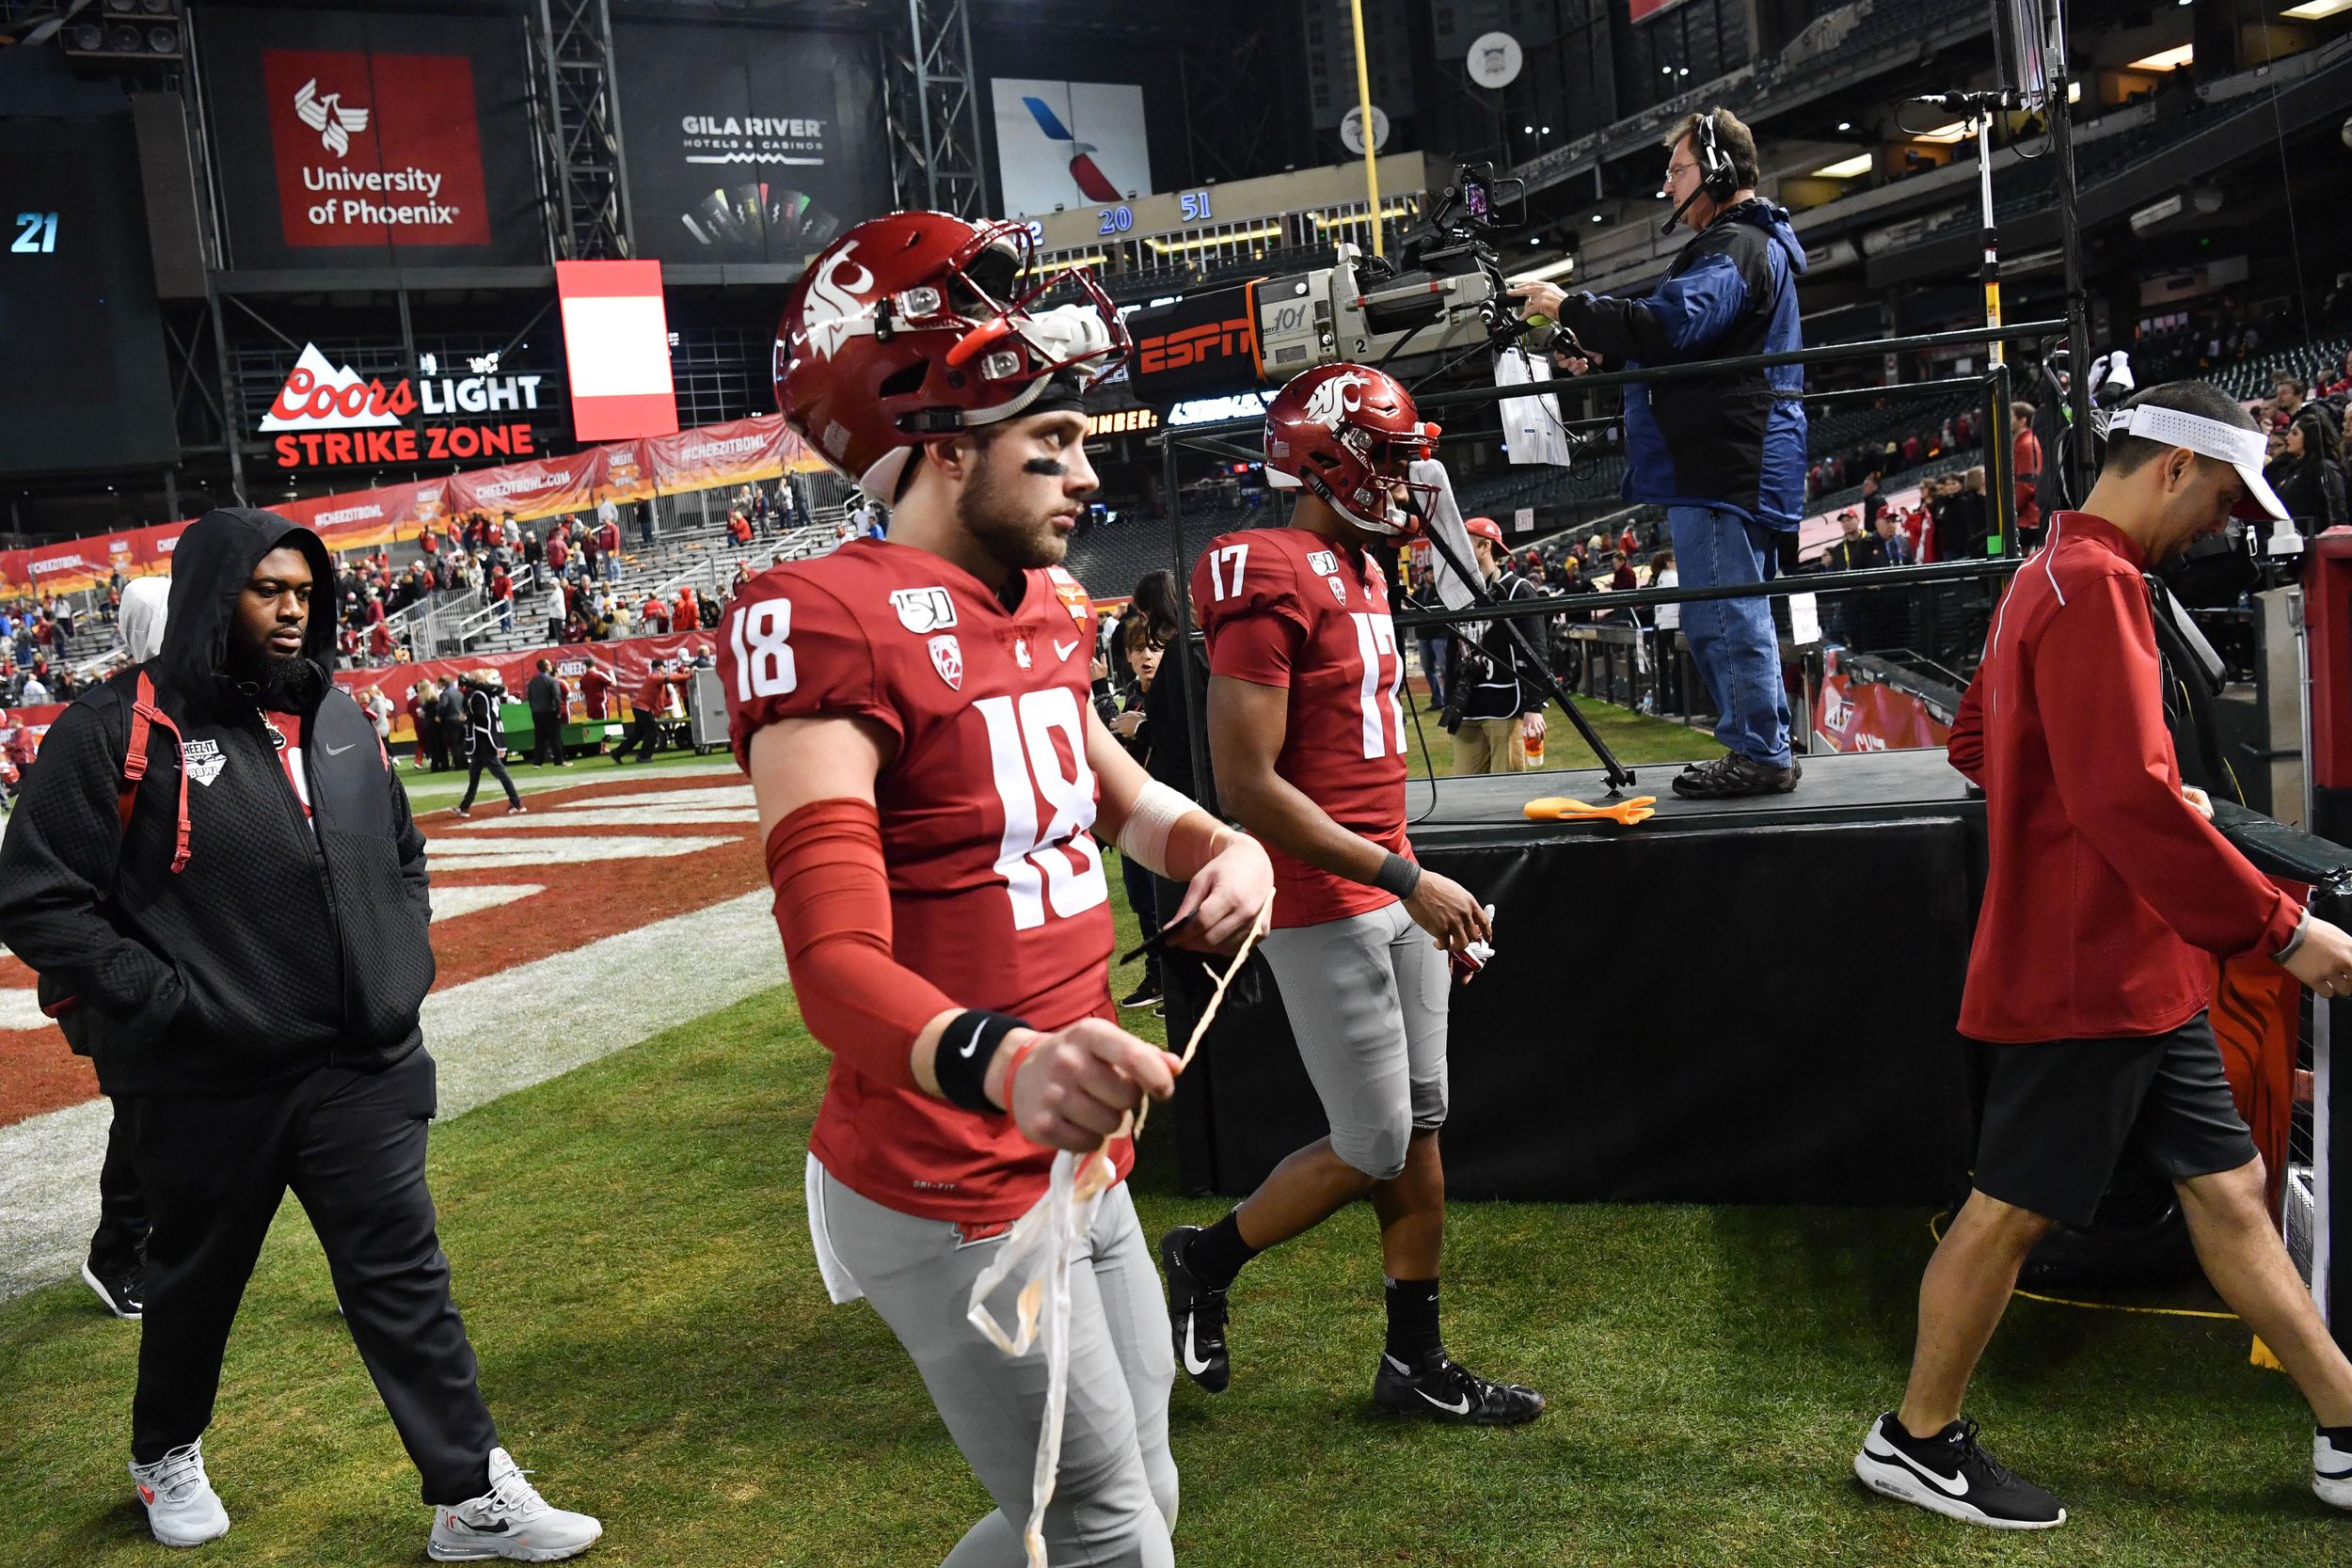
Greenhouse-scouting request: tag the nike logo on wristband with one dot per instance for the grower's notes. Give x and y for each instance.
(973, 1044)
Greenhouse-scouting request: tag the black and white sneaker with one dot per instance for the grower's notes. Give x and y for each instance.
(1441, 1391)
(2331, 1465)
(1195, 1315)
(1144, 995)
(1951, 1474)
(121, 1289)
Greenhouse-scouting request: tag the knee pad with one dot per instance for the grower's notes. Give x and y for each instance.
(1377, 1149)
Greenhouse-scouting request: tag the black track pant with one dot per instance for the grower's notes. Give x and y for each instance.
(351, 1146)
(487, 758)
(645, 737)
(113, 1247)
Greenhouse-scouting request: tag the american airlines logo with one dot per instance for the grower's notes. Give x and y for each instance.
(327, 117)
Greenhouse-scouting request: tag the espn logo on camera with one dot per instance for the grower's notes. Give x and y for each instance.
(1192, 345)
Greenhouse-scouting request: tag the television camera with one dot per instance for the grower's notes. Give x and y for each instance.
(1442, 297)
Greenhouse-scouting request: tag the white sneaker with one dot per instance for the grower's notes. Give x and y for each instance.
(2331, 1470)
(182, 1507)
(509, 1520)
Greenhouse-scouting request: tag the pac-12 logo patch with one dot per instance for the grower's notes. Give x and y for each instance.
(1339, 589)
(922, 610)
(948, 659)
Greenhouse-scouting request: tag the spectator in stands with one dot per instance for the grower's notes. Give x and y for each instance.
(607, 511)
(2286, 401)
(533, 551)
(1725, 454)
(688, 616)
(1490, 685)
(2310, 477)
(558, 550)
(654, 615)
(609, 547)
(644, 523)
(738, 527)
(2340, 386)
(503, 594)
(544, 691)
(380, 642)
(485, 738)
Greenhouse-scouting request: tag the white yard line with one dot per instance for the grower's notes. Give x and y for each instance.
(490, 1037)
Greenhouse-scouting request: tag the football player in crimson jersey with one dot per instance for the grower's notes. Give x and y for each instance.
(1309, 741)
(931, 777)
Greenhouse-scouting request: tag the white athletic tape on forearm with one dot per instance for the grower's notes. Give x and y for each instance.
(1040, 1246)
(1143, 837)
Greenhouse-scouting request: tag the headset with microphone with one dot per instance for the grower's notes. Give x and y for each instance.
(1718, 178)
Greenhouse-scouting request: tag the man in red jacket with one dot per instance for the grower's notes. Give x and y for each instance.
(2109, 896)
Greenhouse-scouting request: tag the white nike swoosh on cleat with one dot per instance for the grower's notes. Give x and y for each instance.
(1460, 1407)
(1955, 1487)
(1192, 1364)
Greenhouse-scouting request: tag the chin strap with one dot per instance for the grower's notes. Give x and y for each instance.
(1040, 1246)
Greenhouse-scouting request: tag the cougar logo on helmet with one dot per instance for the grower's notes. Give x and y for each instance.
(1330, 403)
(836, 297)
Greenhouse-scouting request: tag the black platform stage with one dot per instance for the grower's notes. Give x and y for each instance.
(1738, 1002)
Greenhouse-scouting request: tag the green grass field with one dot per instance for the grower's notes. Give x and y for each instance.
(632, 1264)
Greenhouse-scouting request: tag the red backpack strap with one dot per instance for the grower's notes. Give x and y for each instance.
(144, 715)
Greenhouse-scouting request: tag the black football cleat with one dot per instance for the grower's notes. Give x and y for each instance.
(1196, 1315)
(1442, 1391)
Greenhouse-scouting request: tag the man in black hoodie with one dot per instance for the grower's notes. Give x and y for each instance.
(214, 873)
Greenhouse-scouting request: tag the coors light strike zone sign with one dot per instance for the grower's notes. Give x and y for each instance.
(326, 417)
(376, 148)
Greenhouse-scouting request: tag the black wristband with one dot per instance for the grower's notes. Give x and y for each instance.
(1397, 875)
(961, 1062)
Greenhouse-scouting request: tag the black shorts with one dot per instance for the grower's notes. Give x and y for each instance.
(2060, 1115)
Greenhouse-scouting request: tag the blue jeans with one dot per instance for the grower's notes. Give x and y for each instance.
(1732, 641)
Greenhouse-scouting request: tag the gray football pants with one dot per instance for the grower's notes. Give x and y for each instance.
(1115, 1502)
(1367, 1003)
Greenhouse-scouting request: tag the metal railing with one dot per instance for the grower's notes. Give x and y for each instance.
(1243, 439)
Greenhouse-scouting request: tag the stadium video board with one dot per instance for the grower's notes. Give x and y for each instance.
(367, 139)
(749, 144)
(81, 335)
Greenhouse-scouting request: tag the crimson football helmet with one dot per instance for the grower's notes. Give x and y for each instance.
(915, 325)
(1347, 432)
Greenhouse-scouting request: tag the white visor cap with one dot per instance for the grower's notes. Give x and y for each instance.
(2241, 449)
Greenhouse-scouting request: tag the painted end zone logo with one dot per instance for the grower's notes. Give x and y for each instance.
(332, 418)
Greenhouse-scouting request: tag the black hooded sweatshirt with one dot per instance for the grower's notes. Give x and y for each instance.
(281, 945)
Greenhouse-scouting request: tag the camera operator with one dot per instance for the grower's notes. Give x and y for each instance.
(1725, 454)
(1495, 710)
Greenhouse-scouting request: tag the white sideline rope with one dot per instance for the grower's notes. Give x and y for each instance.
(1040, 1246)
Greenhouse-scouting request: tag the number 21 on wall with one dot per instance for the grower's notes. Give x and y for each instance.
(37, 234)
